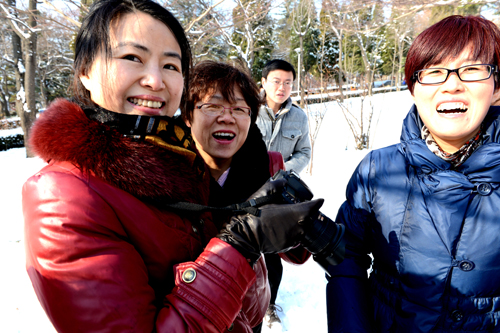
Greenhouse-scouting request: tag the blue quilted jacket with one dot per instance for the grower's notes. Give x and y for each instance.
(434, 236)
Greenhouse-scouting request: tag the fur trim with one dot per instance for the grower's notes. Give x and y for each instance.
(64, 133)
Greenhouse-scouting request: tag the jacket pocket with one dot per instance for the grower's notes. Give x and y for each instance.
(292, 134)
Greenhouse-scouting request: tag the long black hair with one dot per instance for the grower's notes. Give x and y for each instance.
(93, 38)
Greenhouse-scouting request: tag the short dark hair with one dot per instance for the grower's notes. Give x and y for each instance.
(211, 76)
(93, 37)
(277, 64)
(448, 38)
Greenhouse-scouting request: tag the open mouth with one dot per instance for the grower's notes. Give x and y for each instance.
(146, 103)
(223, 136)
(455, 107)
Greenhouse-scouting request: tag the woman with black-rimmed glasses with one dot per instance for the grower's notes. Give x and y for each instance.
(426, 209)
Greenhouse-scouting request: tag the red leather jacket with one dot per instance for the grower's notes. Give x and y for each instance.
(102, 254)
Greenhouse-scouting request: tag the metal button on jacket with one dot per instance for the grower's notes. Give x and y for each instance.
(189, 275)
(457, 315)
(466, 265)
(484, 188)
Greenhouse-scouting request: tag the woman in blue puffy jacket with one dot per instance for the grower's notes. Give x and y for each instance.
(427, 210)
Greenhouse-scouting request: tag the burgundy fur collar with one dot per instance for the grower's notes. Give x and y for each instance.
(64, 133)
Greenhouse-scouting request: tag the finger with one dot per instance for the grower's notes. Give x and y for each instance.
(313, 206)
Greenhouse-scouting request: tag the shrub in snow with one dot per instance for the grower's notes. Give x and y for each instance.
(12, 141)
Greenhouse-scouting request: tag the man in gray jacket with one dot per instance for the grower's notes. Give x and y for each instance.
(285, 129)
(284, 125)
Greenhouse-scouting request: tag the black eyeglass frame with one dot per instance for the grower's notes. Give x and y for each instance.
(230, 108)
(493, 70)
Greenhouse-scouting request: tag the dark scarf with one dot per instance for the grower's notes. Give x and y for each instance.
(457, 158)
(249, 171)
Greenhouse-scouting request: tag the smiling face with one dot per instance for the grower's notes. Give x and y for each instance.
(278, 87)
(218, 138)
(454, 110)
(143, 75)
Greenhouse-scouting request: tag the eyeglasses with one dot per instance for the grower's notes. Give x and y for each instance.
(286, 84)
(215, 110)
(469, 73)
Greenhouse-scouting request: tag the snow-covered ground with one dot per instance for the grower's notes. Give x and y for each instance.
(302, 291)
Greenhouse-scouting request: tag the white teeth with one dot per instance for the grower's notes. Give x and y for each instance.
(223, 134)
(146, 103)
(452, 106)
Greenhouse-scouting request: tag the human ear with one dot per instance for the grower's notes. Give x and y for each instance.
(187, 122)
(85, 80)
(495, 100)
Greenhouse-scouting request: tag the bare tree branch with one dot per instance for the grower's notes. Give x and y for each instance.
(76, 23)
(209, 9)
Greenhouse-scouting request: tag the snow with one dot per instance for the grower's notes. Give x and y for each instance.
(21, 68)
(302, 290)
(11, 132)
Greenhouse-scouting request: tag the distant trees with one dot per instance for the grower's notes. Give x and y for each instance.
(24, 46)
(333, 44)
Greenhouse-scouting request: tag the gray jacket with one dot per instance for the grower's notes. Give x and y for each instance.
(287, 134)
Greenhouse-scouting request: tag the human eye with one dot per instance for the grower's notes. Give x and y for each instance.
(172, 67)
(434, 72)
(211, 107)
(473, 68)
(276, 82)
(288, 83)
(131, 57)
(239, 109)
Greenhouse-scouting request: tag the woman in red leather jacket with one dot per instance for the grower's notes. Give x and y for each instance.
(219, 112)
(103, 250)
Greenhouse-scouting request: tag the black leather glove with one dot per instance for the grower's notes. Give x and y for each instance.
(277, 229)
(272, 189)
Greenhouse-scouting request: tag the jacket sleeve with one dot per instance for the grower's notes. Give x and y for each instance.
(89, 278)
(302, 152)
(348, 295)
(297, 255)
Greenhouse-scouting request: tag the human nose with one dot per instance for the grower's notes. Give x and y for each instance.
(453, 81)
(226, 115)
(153, 79)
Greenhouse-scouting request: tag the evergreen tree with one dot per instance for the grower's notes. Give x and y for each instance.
(440, 12)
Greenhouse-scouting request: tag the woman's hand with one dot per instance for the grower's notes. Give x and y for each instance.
(277, 229)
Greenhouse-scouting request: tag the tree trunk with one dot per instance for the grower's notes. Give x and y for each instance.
(4, 104)
(394, 56)
(366, 63)
(301, 88)
(17, 54)
(341, 71)
(29, 113)
(400, 63)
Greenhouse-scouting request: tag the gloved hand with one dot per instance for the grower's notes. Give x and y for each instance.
(277, 229)
(272, 188)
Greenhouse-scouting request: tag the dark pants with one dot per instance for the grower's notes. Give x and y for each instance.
(274, 273)
(257, 329)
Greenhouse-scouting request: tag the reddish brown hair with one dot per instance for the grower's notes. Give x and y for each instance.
(211, 76)
(446, 39)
